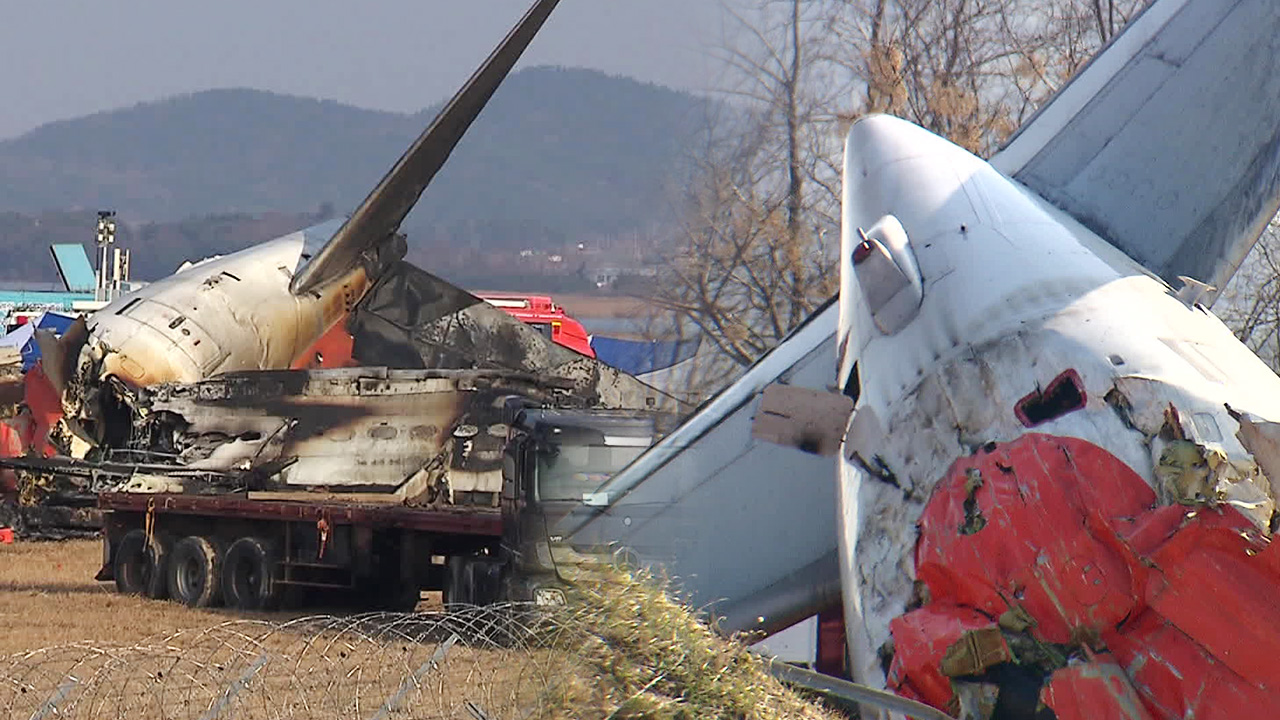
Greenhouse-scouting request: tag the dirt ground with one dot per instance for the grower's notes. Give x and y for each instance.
(129, 662)
(119, 667)
(48, 597)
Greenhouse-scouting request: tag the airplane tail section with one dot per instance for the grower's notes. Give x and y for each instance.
(74, 267)
(1168, 143)
(379, 216)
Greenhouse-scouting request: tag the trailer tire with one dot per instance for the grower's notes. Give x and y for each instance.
(195, 571)
(140, 565)
(249, 579)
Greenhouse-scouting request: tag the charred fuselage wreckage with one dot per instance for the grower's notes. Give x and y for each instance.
(370, 481)
(412, 437)
(291, 301)
(255, 371)
(336, 294)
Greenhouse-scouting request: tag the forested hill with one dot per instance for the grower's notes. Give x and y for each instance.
(559, 153)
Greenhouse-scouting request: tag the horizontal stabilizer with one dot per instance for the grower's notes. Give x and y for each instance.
(380, 215)
(74, 267)
(1168, 143)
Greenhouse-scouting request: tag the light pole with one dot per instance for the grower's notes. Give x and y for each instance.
(105, 239)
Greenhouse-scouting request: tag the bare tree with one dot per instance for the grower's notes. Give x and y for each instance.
(1250, 303)
(756, 252)
(970, 70)
(755, 255)
(746, 272)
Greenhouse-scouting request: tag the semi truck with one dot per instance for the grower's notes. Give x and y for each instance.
(259, 489)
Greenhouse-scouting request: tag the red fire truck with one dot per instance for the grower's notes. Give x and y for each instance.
(544, 315)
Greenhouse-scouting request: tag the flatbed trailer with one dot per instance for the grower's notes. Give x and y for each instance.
(256, 489)
(256, 552)
(472, 520)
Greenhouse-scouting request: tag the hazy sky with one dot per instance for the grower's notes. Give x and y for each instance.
(65, 58)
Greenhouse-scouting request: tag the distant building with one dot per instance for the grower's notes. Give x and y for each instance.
(83, 289)
(608, 276)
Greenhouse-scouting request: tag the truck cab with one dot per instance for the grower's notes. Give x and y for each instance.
(553, 458)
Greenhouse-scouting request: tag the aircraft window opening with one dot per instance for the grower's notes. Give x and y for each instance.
(233, 277)
(853, 386)
(1064, 394)
(128, 305)
(177, 321)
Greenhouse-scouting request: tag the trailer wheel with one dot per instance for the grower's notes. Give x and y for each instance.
(140, 565)
(194, 572)
(249, 579)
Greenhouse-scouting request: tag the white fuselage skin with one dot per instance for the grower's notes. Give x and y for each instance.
(223, 314)
(1014, 293)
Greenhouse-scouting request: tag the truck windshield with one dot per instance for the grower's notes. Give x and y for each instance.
(567, 471)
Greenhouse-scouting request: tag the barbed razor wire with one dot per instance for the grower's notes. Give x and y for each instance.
(491, 662)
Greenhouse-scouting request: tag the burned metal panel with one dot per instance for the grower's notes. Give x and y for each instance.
(803, 418)
(421, 434)
(411, 318)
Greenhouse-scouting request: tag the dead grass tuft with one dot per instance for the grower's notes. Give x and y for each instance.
(639, 654)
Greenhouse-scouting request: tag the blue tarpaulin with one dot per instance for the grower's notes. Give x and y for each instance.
(24, 336)
(638, 357)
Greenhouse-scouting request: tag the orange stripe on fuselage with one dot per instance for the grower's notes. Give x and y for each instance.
(332, 350)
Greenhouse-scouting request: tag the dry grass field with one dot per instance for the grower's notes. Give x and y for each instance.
(155, 658)
(602, 306)
(625, 650)
(48, 597)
